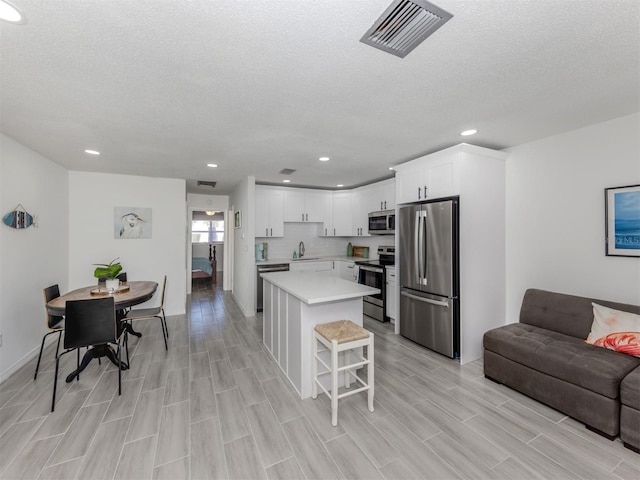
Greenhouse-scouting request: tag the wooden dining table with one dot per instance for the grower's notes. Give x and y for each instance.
(129, 294)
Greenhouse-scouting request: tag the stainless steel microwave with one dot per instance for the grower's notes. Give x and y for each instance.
(382, 223)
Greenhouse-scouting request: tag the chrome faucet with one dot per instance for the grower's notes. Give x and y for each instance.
(301, 250)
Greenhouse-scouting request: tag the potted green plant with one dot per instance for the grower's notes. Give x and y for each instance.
(109, 271)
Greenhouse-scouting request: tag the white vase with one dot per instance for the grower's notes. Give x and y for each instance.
(112, 284)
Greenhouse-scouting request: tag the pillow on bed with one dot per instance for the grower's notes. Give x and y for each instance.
(615, 330)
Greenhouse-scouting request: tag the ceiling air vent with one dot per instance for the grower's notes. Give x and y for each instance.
(203, 183)
(286, 171)
(404, 25)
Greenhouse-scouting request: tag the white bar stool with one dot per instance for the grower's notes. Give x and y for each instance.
(342, 336)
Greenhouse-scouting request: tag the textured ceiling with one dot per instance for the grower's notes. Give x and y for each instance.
(162, 87)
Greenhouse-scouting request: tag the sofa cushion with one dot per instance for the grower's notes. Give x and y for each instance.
(563, 313)
(562, 356)
(615, 330)
(630, 389)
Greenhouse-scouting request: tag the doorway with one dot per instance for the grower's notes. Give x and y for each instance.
(208, 239)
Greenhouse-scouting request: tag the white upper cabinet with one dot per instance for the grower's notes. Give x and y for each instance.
(434, 176)
(303, 205)
(342, 219)
(382, 196)
(269, 212)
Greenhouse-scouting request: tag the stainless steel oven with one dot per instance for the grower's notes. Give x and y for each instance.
(372, 273)
(372, 276)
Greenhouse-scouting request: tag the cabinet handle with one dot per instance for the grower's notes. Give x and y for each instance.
(266, 232)
(385, 204)
(302, 217)
(419, 189)
(306, 217)
(334, 232)
(381, 206)
(271, 231)
(425, 191)
(325, 232)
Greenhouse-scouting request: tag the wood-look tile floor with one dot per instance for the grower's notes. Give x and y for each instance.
(216, 406)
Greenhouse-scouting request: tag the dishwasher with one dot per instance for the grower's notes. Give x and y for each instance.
(275, 267)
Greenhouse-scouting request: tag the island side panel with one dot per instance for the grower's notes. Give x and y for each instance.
(282, 329)
(267, 317)
(294, 345)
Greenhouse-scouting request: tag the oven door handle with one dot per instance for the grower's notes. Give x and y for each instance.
(371, 269)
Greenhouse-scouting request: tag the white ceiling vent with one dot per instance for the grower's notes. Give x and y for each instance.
(404, 25)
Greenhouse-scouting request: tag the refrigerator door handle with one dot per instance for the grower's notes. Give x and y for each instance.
(416, 247)
(421, 246)
(425, 300)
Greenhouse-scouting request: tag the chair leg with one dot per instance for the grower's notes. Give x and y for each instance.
(55, 385)
(164, 334)
(119, 370)
(126, 345)
(40, 357)
(164, 320)
(78, 363)
(334, 383)
(370, 374)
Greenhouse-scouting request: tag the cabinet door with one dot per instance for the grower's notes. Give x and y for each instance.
(391, 293)
(342, 221)
(262, 212)
(361, 206)
(276, 213)
(313, 206)
(293, 206)
(411, 183)
(347, 270)
(388, 195)
(326, 229)
(443, 179)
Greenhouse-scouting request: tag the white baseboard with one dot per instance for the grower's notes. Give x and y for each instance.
(30, 355)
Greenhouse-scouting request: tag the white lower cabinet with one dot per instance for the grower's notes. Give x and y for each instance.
(391, 305)
(346, 270)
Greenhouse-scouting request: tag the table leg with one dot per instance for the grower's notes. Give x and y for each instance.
(96, 352)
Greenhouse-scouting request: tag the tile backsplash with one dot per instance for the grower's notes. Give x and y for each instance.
(316, 246)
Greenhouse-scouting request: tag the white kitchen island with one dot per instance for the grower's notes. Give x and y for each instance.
(294, 302)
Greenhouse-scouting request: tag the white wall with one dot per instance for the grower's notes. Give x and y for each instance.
(33, 258)
(555, 213)
(244, 268)
(92, 199)
(218, 203)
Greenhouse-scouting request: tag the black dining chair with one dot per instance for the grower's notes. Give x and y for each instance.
(90, 323)
(153, 312)
(55, 324)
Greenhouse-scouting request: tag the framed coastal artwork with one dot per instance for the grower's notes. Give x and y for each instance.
(132, 222)
(622, 219)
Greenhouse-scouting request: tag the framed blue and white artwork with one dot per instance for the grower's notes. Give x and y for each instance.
(622, 218)
(132, 223)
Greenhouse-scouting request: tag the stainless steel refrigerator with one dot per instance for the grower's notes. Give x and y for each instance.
(429, 275)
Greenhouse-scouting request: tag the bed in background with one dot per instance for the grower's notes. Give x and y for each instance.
(204, 268)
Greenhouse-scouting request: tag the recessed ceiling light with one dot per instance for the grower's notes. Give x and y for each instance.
(286, 181)
(324, 159)
(212, 165)
(466, 133)
(390, 168)
(92, 152)
(11, 14)
(340, 185)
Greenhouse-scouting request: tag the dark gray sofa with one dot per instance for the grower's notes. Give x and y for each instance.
(545, 356)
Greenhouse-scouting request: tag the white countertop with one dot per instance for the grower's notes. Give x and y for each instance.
(311, 258)
(313, 289)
